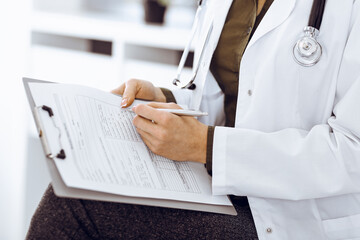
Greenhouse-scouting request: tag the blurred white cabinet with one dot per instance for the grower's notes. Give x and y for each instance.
(63, 36)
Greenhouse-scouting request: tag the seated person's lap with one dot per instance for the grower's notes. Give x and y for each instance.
(64, 218)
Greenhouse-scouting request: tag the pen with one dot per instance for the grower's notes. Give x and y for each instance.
(184, 112)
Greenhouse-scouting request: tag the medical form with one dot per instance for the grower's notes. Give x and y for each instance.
(105, 153)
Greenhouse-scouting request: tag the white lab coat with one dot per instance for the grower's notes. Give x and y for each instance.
(295, 149)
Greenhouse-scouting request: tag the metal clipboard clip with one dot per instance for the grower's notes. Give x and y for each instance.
(42, 135)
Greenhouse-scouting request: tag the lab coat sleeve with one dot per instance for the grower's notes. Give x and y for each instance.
(295, 164)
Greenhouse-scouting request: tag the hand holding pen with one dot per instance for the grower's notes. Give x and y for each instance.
(180, 138)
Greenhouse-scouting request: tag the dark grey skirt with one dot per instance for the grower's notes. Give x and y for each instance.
(63, 218)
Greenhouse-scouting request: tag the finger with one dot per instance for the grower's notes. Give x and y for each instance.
(164, 105)
(151, 113)
(150, 141)
(146, 137)
(145, 125)
(119, 90)
(131, 88)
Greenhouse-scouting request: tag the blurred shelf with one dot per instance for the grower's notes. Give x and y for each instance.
(99, 26)
(137, 49)
(59, 29)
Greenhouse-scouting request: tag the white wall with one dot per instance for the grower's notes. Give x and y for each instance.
(13, 44)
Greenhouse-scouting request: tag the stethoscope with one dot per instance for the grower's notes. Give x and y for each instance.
(190, 84)
(307, 51)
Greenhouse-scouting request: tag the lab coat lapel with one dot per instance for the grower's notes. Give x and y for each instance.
(217, 13)
(279, 11)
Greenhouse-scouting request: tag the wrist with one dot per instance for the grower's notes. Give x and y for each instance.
(209, 149)
(169, 96)
(201, 156)
(159, 95)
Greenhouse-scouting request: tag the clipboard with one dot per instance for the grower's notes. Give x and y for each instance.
(61, 190)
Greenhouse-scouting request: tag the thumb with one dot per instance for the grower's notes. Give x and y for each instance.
(131, 88)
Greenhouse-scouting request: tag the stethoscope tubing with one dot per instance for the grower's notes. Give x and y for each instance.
(316, 14)
(188, 46)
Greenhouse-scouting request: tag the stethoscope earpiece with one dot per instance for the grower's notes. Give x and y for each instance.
(307, 51)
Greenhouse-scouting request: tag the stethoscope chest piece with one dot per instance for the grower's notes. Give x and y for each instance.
(307, 51)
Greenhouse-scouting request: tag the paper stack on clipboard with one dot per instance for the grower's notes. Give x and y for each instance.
(94, 152)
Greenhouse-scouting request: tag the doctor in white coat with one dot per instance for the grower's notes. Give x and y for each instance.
(295, 148)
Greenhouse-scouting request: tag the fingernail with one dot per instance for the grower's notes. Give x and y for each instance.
(124, 102)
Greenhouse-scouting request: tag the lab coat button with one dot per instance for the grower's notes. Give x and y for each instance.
(249, 92)
(269, 230)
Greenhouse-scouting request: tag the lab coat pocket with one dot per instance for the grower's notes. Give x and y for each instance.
(343, 228)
